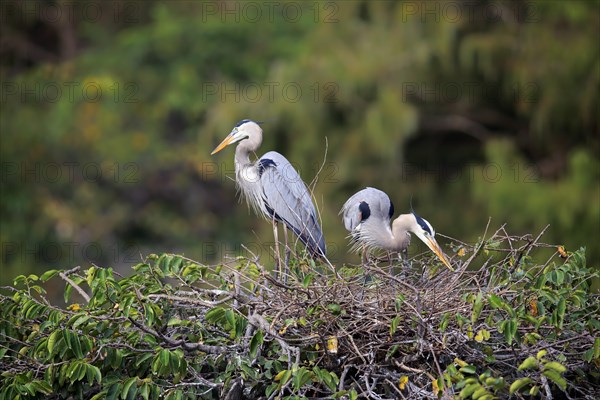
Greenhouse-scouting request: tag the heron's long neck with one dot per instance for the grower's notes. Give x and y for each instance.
(378, 235)
(242, 157)
(400, 238)
(248, 179)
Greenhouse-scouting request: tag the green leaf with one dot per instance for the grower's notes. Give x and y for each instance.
(101, 395)
(510, 330)
(445, 321)
(143, 358)
(19, 280)
(115, 358)
(540, 282)
(73, 342)
(128, 386)
(560, 311)
(73, 371)
(283, 376)
(549, 295)
(541, 354)
(174, 361)
(495, 301)
(534, 390)
(48, 275)
(556, 378)
(81, 371)
(176, 264)
(518, 384)
(468, 369)
(53, 339)
(165, 359)
(215, 315)
(271, 388)
(469, 390)
(113, 391)
(230, 317)
(93, 373)
(477, 308)
(174, 321)
(560, 277)
(335, 309)
(394, 325)
(307, 280)
(145, 391)
(399, 302)
(149, 314)
(41, 387)
(256, 342)
(555, 366)
(80, 321)
(301, 377)
(530, 362)
(479, 393)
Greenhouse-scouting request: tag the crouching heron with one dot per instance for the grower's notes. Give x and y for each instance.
(367, 216)
(274, 189)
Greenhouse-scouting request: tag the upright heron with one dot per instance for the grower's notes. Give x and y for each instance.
(367, 216)
(274, 189)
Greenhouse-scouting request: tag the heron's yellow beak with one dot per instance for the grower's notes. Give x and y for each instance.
(437, 250)
(226, 142)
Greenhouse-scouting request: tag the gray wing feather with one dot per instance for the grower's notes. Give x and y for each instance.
(379, 204)
(286, 195)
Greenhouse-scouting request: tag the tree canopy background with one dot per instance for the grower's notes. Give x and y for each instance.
(109, 112)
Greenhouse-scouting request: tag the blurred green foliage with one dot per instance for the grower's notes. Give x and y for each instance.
(411, 97)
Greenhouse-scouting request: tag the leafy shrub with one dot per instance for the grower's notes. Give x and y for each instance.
(177, 329)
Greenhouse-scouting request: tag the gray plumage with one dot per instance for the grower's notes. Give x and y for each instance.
(273, 187)
(367, 216)
(380, 205)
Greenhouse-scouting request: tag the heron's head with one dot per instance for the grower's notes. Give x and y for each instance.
(245, 129)
(424, 231)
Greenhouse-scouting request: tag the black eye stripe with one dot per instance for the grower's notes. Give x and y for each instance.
(242, 122)
(422, 224)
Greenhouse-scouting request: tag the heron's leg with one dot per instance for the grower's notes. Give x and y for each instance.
(365, 259)
(287, 255)
(365, 262)
(404, 264)
(277, 269)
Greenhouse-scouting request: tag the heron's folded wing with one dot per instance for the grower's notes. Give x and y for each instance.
(287, 198)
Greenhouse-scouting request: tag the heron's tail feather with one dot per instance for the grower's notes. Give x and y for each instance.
(315, 246)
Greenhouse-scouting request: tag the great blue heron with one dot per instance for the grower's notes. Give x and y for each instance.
(274, 189)
(367, 216)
